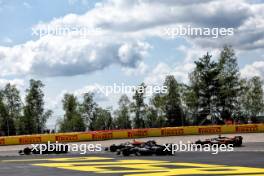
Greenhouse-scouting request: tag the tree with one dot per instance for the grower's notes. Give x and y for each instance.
(139, 107)
(72, 121)
(156, 112)
(13, 104)
(153, 120)
(158, 102)
(4, 124)
(88, 108)
(253, 98)
(173, 106)
(229, 81)
(190, 103)
(205, 86)
(103, 120)
(122, 120)
(35, 117)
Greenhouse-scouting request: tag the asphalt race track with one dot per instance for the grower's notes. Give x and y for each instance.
(247, 160)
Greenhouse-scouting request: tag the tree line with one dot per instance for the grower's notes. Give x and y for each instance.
(17, 117)
(215, 94)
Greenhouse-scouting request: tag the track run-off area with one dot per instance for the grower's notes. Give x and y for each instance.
(245, 160)
(237, 163)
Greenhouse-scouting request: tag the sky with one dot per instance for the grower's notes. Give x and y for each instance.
(120, 42)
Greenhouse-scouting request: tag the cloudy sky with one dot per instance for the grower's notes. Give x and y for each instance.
(125, 42)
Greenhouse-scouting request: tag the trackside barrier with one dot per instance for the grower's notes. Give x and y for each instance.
(131, 134)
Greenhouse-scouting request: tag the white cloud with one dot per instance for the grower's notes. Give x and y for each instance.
(180, 70)
(141, 69)
(158, 74)
(125, 25)
(100, 98)
(96, 89)
(19, 83)
(123, 29)
(254, 69)
(60, 56)
(192, 52)
(133, 17)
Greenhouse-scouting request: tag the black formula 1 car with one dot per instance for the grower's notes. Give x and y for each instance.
(141, 148)
(236, 141)
(44, 150)
(115, 148)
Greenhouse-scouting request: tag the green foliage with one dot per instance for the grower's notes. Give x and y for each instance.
(172, 102)
(253, 97)
(72, 121)
(215, 90)
(18, 119)
(11, 109)
(153, 119)
(205, 86)
(85, 115)
(138, 107)
(88, 107)
(103, 120)
(229, 84)
(158, 101)
(122, 120)
(35, 117)
(190, 103)
(4, 121)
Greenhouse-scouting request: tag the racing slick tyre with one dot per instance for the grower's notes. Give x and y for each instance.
(113, 148)
(126, 152)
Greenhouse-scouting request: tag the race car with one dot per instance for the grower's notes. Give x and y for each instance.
(236, 141)
(114, 147)
(140, 148)
(39, 150)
